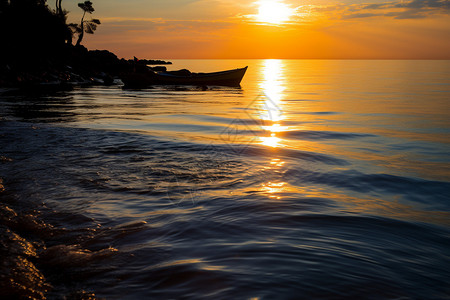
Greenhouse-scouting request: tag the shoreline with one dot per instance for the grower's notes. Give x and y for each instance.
(75, 66)
(39, 255)
(29, 263)
(20, 247)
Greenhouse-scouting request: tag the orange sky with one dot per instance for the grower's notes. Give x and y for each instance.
(233, 29)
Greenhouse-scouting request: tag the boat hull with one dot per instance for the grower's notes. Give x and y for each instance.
(224, 78)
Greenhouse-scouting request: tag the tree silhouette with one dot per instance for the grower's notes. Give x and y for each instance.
(29, 28)
(88, 26)
(59, 10)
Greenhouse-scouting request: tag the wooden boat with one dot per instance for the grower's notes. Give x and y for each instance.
(223, 78)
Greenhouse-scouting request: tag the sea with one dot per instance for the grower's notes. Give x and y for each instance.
(315, 179)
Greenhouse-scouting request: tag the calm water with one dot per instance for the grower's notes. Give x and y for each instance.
(315, 179)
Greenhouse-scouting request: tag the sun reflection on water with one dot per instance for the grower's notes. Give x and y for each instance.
(270, 110)
(273, 188)
(270, 117)
(271, 141)
(276, 186)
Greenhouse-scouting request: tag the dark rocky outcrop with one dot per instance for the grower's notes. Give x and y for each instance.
(74, 65)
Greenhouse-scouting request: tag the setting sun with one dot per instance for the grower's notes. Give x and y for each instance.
(274, 12)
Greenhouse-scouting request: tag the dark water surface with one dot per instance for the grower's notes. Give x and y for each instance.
(315, 179)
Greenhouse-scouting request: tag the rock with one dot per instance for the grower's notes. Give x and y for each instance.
(159, 69)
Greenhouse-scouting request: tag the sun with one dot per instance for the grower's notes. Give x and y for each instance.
(273, 12)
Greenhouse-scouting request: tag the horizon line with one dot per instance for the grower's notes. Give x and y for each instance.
(166, 58)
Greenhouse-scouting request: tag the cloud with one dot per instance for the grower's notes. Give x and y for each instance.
(359, 15)
(445, 4)
(412, 9)
(401, 9)
(375, 6)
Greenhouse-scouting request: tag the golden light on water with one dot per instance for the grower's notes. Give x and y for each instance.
(277, 162)
(270, 117)
(273, 87)
(271, 141)
(273, 188)
(270, 110)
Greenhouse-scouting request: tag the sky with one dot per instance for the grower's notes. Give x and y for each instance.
(308, 29)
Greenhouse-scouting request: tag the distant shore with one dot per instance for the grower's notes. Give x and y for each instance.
(74, 66)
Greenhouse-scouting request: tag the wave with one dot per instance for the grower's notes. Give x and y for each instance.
(433, 193)
(324, 135)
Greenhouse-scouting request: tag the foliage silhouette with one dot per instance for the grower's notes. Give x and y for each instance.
(29, 28)
(58, 9)
(88, 26)
(36, 47)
